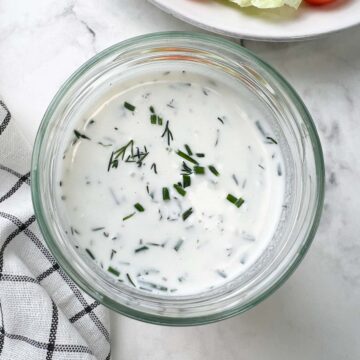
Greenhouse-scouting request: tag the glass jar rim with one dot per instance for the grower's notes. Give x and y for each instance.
(220, 43)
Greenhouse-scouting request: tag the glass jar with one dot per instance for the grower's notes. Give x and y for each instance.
(270, 95)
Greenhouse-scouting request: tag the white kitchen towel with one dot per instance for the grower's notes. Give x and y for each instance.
(43, 314)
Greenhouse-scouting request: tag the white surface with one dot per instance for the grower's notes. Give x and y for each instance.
(270, 24)
(315, 315)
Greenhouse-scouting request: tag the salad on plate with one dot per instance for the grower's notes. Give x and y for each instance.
(269, 4)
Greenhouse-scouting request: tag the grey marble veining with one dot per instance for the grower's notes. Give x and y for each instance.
(316, 314)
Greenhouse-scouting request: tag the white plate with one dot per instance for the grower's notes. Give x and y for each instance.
(282, 24)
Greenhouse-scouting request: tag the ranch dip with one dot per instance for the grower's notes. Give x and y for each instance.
(169, 185)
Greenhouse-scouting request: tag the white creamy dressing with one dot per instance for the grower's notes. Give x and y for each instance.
(168, 248)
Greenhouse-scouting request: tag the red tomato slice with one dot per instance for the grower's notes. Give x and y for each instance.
(319, 2)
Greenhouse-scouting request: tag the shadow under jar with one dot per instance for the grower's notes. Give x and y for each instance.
(229, 86)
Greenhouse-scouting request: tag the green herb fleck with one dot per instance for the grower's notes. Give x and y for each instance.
(179, 189)
(98, 228)
(178, 245)
(153, 118)
(213, 170)
(199, 170)
(130, 280)
(90, 254)
(154, 286)
(186, 170)
(129, 106)
(221, 273)
(139, 207)
(153, 167)
(121, 151)
(186, 157)
(140, 249)
(113, 271)
(271, 140)
(168, 133)
(186, 181)
(79, 135)
(236, 201)
(165, 193)
(128, 216)
(200, 155)
(187, 213)
(187, 147)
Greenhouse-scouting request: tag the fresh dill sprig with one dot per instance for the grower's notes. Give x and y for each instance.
(167, 132)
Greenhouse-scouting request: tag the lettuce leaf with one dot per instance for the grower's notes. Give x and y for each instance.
(268, 4)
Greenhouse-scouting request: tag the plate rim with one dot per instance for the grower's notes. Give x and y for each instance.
(245, 36)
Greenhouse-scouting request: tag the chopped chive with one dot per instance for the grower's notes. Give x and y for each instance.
(154, 286)
(160, 120)
(128, 216)
(90, 254)
(213, 170)
(187, 147)
(130, 280)
(235, 179)
(104, 145)
(152, 110)
(271, 140)
(186, 181)
(199, 170)
(98, 228)
(179, 189)
(129, 106)
(153, 118)
(140, 249)
(186, 157)
(113, 252)
(79, 135)
(261, 167)
(231, 198)
(121, 151)
(200, 155)
(178, 245)
(139, 207)
(237, 202)
(165, 193)
(153, 244)
(113, 271)
(187, 213)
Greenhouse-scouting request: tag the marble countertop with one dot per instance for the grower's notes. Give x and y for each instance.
(316, 314)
